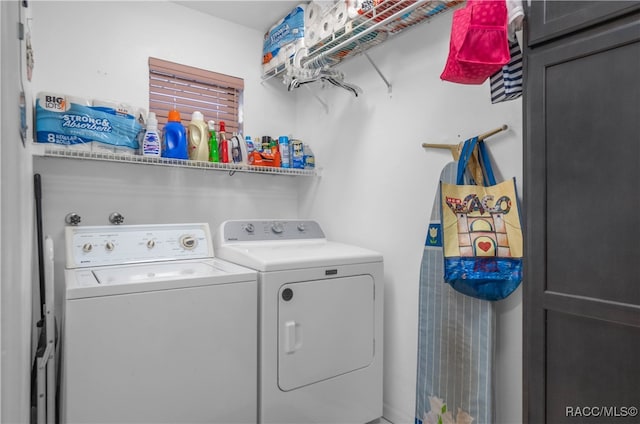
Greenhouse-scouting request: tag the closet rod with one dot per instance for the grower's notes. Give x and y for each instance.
(455, 148)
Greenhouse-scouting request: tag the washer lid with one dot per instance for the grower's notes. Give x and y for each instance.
(294, 254)
(113, 280)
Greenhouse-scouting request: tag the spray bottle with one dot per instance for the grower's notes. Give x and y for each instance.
(224, 144)
(214, 155)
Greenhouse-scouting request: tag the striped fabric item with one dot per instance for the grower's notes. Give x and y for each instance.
(506, 84)
(455, 341)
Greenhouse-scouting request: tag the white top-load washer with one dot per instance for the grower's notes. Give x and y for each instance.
(321, 314)
(156, 330)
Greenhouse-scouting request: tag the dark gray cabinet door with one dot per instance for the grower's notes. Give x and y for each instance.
(582, 207)
(552, 18)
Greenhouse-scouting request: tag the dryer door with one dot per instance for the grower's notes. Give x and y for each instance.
(325, 329)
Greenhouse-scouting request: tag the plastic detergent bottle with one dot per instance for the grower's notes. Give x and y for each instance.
(198, 137)
(309, 157)
(174, 139)
(283, 142)
(224, 144)
(151, 139)
(214, 155)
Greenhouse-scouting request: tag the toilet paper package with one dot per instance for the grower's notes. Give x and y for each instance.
(74, 122)
(284, 39)
(120, 109)
(329, 19)
(312, 23)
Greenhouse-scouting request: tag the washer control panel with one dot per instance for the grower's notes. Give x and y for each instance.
(265, 230)
(125, 244)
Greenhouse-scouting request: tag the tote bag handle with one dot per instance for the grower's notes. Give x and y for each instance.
(467, 150)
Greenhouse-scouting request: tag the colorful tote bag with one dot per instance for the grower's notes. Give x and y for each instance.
(482, 232)
(456, 346)
(479, 44)
(506, 84)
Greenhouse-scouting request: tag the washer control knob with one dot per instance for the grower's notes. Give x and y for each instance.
(301, 227)
(87, 247)
(151, 244)
(277, 227)
(188, 242)
(109, 246)
(249, 228)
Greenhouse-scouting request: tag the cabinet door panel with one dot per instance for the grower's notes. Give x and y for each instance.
(553, 18)
(582, 206)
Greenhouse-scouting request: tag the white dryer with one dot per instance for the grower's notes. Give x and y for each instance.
(156, 330)
(320, 347)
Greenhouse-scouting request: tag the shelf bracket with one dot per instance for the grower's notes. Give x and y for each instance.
(322, 102)
(387, 83)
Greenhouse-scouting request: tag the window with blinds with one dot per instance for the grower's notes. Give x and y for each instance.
(188, 89)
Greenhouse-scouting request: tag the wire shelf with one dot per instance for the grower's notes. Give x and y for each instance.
(387, 18)
(149, 160)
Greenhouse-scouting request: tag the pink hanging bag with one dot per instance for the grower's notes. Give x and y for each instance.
(479, 46)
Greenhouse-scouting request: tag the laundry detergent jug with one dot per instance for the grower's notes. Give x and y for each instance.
(198, 138)
(174, 138)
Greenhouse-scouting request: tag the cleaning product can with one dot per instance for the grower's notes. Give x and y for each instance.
(151, 141)
(214, 154)
(297, 154)
(198, 137)
(174, 138)
(283, 142)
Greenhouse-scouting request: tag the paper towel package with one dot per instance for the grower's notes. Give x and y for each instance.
(73, 122)
(283, 39)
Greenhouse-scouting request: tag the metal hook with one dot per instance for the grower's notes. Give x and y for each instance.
(116, 218)
(72, 218)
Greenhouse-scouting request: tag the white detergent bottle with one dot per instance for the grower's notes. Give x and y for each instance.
(151, 141)
(198, 138)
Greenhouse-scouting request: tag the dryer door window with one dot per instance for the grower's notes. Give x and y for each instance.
(325, 329)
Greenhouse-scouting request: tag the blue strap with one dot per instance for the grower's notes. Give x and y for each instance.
(485, 162)
(465, 155)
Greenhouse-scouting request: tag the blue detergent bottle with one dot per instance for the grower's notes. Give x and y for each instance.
(174, 138)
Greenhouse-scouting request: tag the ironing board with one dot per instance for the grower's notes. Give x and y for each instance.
(455, 340)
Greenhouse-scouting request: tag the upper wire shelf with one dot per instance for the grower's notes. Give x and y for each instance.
(387, 18)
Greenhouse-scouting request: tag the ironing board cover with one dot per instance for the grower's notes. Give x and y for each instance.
(455, 340)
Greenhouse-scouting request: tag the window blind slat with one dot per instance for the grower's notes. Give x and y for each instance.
(168, 95)
(179, 85)
(190, 72)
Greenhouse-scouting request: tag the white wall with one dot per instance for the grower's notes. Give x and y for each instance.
(378, 186)
(98, 49)
(16, 230)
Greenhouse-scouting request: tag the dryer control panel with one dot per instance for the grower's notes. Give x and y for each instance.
(266, 230)
(125, 244)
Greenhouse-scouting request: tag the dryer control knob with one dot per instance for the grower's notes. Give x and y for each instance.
(151, 244)
(277, 227)
(109, 246)
(249, 228)
(87, 247)
(301, 227)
